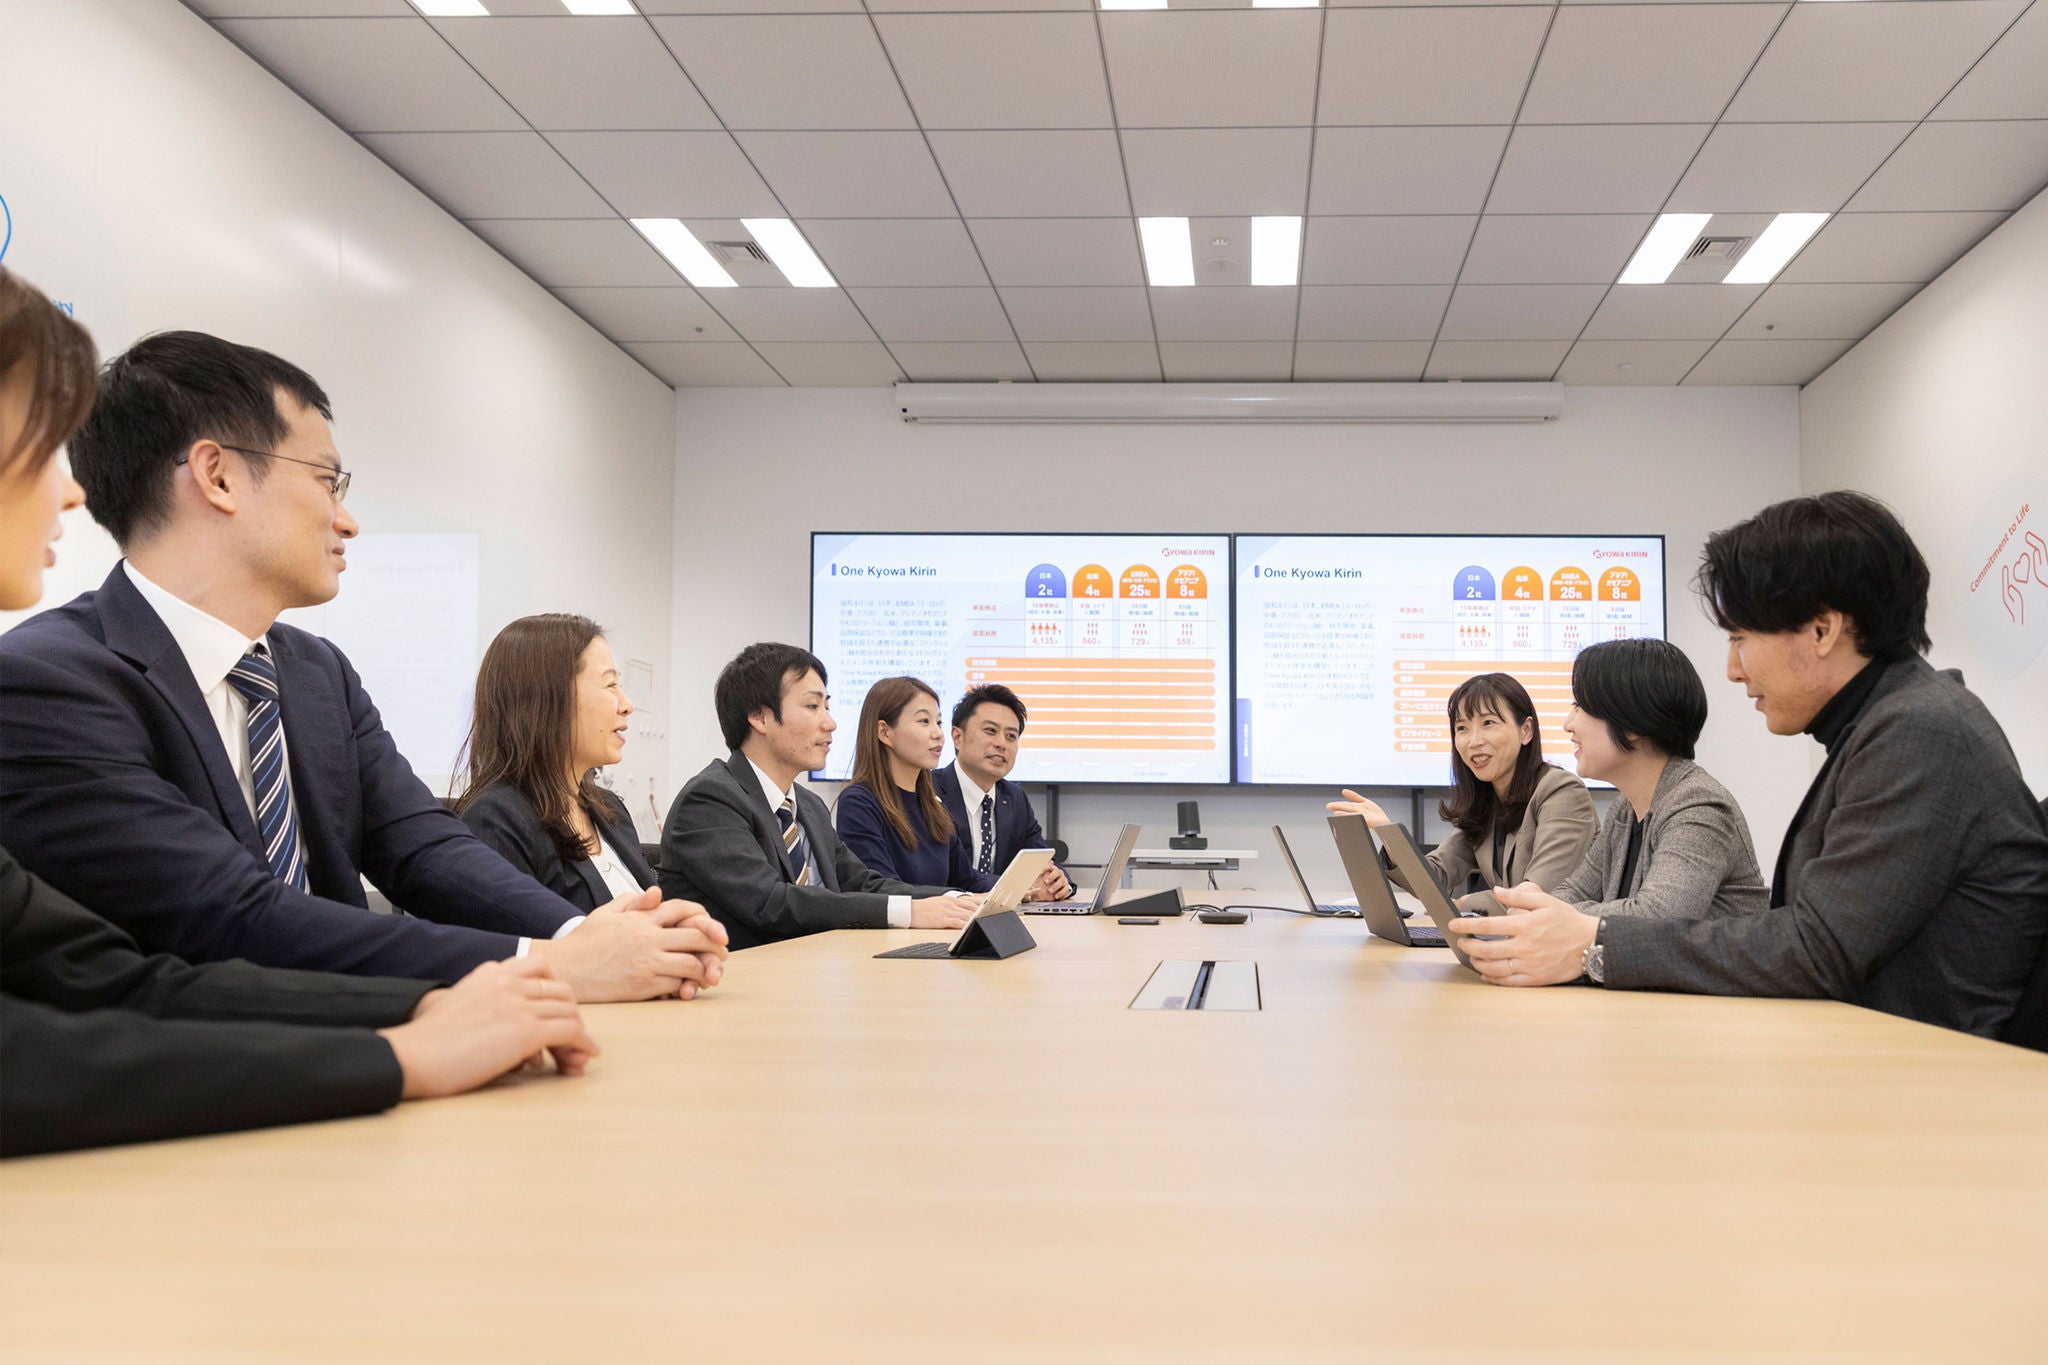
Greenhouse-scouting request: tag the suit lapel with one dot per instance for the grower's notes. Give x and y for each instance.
(600, 894)
(767, 826)
(135, 632)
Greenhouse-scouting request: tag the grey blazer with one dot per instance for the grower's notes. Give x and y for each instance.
(1545, 847)
(722, 847)
(1918, 884)
(1696, 861)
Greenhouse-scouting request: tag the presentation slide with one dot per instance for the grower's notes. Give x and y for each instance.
(1348, 647)
(1118, 645)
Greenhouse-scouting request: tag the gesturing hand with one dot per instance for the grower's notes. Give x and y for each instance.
(1354, 804)
(498, 1017)
(1541, 941)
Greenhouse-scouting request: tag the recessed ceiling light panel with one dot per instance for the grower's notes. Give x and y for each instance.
(1774, 247)
(599, 6)
(451, 9)
(790, 252)
(1169, 252)
(1134, 4)
(1276, 250)
(1661, 251)
(683, 251)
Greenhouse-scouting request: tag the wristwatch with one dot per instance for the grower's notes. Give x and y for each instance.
(1595, 961)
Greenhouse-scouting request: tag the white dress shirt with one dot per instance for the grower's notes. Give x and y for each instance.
(212, 648)
(899, 906)
(972, 796)
(612, 869)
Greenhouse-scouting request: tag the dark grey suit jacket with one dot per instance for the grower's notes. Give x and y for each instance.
(502, 817)
(1697, 860)
(100, 1044)
(722, 847)
(1918, 884)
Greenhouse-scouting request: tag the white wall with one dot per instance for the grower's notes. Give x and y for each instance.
(1943, 412)
(758, 470)
(158, 178)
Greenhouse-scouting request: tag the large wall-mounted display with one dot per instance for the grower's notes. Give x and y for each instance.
(1118, 645)
(1349, 646)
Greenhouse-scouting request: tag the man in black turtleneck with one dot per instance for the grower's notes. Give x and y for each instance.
(1914, 878)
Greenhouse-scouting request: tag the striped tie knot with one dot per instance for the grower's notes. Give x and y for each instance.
(796, 849)
(255, 677)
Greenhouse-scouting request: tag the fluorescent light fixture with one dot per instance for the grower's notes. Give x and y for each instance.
(684, 251)
(1664, 248)
(1777, 244)
(599, 6)
(790, 252)
(1276, 250)
(1134, 4)
(451, 9)
(1285, 4)
(1169, 251)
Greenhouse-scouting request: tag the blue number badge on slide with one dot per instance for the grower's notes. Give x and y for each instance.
(1045, 581)
(1474, 585)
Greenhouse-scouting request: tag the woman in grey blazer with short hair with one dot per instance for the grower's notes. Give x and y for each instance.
(1675, 846)
(1515, 818)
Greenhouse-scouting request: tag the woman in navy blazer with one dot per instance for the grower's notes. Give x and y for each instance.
(890, 814)
(550, 711)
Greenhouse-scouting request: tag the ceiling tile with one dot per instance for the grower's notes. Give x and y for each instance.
(968, 6)
(1626, 168)
(1631, 362)
(1417, 249)
(1784, 167)
(1424, 65)
(1000, 70)
(1646, 63)
(1962, 166)
(1520, 312)
(1670, 312)
(1052, 174)
(581, 72)
(1868, 61)
(1404, 170)
(1054, 251)
(955, 361)
(224, 9)
(1212, 68)
(1217, 172)
(748, 6)
(832, 365)
(1766, 362)
(791, 314)
(1564, 248)
(934, 314)
(895, 251)
(670, 175)
(1094, 361)
(851, 175)
(1504, 360)
(1804, 312)
(375, 75)
(667, 314)
(489, 175)
(1053, 314)
(2008, 82)
(789, 70)
(1224, 313)
(1372, 312)
(1868, 247)
(568, 252)
(705, 364)
(1360, 361)
(1224, 362)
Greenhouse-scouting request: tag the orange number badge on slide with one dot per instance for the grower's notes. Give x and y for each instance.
(1521, 584)
(1620, 585)
(1092, 580)
(1139, 582)
(1186, 581)
(1571, 585)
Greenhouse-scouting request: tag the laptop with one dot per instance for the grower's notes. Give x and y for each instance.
(1105, 890)
(1401, 848)
(1375, 893)
(1343, 909)
(1007, 894)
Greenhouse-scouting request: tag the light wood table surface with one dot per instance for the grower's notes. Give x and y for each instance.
(834, 1158)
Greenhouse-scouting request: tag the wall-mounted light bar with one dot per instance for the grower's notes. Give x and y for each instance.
(790, 252)
(1774, 247)
(1661, 251)
(1169, 251)
(1276, 250)
(683, 251)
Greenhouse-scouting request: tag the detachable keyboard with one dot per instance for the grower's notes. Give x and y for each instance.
(1340, 911)
(936, 948)
(1426, 936)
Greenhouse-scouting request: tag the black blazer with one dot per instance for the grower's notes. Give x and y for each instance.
(502, 817)
(1016, 822)
(722, 846)
(115, 789)
(99, 1044)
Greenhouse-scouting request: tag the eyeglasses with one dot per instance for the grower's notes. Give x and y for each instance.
(337, 480)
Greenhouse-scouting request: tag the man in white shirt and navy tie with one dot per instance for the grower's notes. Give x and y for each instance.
(991, 812)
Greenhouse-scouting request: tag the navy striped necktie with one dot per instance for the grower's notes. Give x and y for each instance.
(795, 848)
(255, 677)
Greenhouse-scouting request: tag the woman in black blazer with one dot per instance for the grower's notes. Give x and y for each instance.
(549, 712)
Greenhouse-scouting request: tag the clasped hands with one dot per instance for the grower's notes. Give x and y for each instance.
(1540, 941)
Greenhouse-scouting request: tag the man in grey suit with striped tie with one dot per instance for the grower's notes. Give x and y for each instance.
(757, 849)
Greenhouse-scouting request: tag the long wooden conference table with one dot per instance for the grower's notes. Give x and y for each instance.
(835, 1158)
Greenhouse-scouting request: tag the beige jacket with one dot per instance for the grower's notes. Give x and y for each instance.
(1545, 849)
